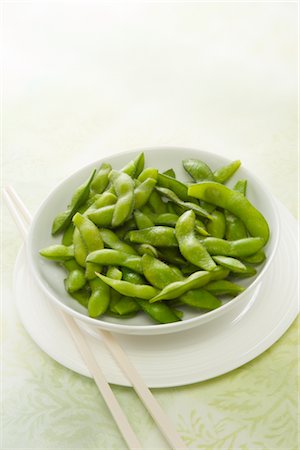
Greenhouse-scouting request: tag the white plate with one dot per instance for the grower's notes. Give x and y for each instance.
(187, 357)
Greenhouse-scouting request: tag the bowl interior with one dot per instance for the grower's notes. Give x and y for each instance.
(50, 276)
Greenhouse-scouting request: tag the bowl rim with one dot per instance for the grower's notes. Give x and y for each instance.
(156, 328)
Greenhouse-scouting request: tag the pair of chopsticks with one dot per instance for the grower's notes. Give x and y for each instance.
(22, 218)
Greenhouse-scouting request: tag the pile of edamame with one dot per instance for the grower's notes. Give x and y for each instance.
(136, 240)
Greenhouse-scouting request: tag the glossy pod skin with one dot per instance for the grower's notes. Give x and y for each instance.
(238, 249)
(58, 252)
(198, 169)
(62, 220)
(236, 203)
(130, 290)
(191, 247)
(136, 241)
(159, 236)
(111, 240)
(223, 174)
(185, 205)
(216, 226)
(101, 179)
(76, 276)
(196, 280)
(116, 258)
(159, 312)
(99, 299)
(235, 228)
(124, 187)
(161, 275)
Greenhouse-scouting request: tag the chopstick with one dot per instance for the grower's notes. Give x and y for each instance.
(23, 220)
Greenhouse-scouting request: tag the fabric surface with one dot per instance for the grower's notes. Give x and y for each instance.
(83, 80)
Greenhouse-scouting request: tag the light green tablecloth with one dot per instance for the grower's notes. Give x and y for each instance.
(85, 79)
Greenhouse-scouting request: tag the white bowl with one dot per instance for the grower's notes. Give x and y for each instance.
(50, 276)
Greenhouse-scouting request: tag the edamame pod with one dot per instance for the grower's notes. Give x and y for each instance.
(234, 265)
(196, 280)
(191, 247)
(224, 287)
(99, 299)
(62, 220)
(223, 174)
(238, 249)
(216, 226)
(159, 236)
(185, 205)
(135, 167)
(143, 192)
(101, 179)
(198, 169)
(234, 202)
(124, 188)
(58, 252)
(111, 240)
(116, 258)
(143, 291)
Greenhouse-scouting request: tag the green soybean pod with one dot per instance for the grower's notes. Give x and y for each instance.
(160, 312)
(115, 274)
(196, 280)
(250, 271)
(101, 179)
(67, 238)
(158, 273)
(127, 226)
(201, 298)
(99, 299)
(149, 172)
(159, 236)
(223, 174)
(191, 247)
(135, 166)
(180, 189)
(156, 203)
(132, 277)
(241, 186)
(224, 287)
(111, 240)
(58, 252)
(170, 173)
(80, 249)
(257, 258)
(142, 220)
(236, 203)
(130, 290)
(185, 205)
(116, 258)
(76, 276)
(236, 249)
(143, 192)
(102, 216)
(124, 188)
(147, 249)
(82, 296)
(62, 220)
(216, 226)
(233, 264)
(198, 169)
(126, 305)
(101, 200)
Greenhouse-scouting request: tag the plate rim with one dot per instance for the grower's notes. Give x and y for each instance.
(271, 338)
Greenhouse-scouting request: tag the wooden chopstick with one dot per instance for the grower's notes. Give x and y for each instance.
(22, 219)
(159, 416)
